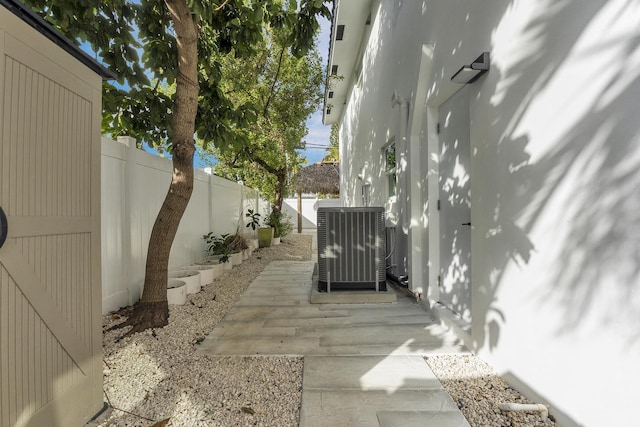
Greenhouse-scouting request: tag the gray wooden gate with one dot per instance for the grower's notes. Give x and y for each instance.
(50, 289)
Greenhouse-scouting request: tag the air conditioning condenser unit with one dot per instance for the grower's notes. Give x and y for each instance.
(351, 248)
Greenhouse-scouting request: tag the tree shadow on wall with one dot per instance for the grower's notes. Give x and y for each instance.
(595, 158)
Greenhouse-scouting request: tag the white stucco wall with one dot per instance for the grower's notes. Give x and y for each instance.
(555, 145)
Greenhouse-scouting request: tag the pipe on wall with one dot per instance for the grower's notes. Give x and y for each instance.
(404, 155)
(525, 407)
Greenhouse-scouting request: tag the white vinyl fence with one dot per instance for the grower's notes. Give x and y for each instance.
(309, 210)
(134, 184)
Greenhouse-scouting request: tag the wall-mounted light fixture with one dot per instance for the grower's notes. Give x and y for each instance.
(470, 73)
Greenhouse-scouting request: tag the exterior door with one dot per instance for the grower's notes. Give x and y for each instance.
(455, 204)
(50, 316)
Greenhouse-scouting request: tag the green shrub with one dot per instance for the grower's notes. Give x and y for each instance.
(280, 223)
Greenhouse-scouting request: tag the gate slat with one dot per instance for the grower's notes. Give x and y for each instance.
(33, 289)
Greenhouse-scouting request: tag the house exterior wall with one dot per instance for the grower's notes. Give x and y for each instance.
(555, 150)
(134, 184)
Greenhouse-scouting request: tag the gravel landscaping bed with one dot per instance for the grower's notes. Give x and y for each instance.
(478, 390)
(156, 374)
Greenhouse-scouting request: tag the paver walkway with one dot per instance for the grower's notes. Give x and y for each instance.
(363, 363)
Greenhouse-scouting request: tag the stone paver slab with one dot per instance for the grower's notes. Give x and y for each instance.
(418, 336)
(263, 313)
(270, 301)
(378, 309)
(247, 346)
(356, 330)
(389, 373)
(421, 419)
(310, 322)
(416, 318)
(350, 297)
(266, 291)
(250, 330)
(332, 408)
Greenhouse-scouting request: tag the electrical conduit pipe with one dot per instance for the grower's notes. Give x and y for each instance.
(403, 163)
(525, 407)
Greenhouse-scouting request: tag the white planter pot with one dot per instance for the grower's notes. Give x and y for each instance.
(247, 253)
(236, 259)
(206, 273)
(275, 241)
(252, 241)
(190, 277)
(176, 292)
(217, 266)
(218, 269)
(207, 262)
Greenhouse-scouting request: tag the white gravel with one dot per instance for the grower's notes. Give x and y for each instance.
(478, 390)
(156, 374)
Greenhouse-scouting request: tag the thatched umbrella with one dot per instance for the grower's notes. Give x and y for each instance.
(322, 177)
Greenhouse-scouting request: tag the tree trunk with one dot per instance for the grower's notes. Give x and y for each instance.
(281, 178)
(299, 212)
(153, 311)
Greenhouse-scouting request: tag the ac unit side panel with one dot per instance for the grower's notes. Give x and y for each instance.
(322, 244)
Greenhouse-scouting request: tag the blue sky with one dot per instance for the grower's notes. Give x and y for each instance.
(319, 133)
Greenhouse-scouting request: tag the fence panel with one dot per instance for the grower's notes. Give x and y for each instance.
(134, 184)
(309, 210)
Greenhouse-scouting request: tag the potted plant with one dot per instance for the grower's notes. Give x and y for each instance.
(217, 248)
(265, 234)
(235, 244)
(254, 224)
(280, 224)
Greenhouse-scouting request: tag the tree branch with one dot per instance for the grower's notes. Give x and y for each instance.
(266, 166)
(273, 85)
(236, 158)
(221, 6)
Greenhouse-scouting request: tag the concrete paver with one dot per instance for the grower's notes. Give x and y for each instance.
(421, 419)
(386, 373)
(333, 408)
(363, 364)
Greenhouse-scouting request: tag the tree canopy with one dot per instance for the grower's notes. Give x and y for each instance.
(284, 90)
(137, 40)
(332, 154)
